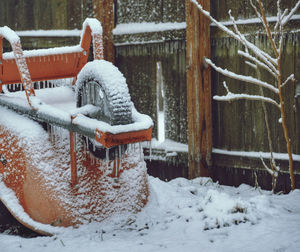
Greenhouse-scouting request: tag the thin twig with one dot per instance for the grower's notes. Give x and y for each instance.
(267, 27)
(265, 57)
(292, 12)
(232, 97)
(290, 78)
(258, 62)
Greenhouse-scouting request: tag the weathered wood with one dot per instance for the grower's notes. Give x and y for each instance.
(156, 11)
(198, 91)
(240, 125)
(104, 11)
(138, 64)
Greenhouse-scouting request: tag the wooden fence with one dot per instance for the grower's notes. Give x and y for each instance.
(164, 71)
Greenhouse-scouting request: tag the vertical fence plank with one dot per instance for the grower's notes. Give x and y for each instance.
(198, 91)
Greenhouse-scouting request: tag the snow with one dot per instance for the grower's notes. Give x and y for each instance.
(9, 34)
(94, 24)
(49, 33)
(106, 72)
(9, 198)
(49, 155)
(60, 103)
(248, 79)
(255, 154)
(45, 52)
(169, 145)
(185, 215)
(180, 215)
(133, 28)
(255, 20)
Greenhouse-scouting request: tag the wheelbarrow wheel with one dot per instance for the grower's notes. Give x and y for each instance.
(101, 84)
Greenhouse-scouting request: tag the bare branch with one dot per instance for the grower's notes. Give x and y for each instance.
(288, 17)
(267, 28)
(266, 58)
(280, 17)
(271, 172)
(244, 78)
(236, 28)
(254, 66)
(226, 87)
(273, 71)
(233, 97)
(257, 13)
(290, 78)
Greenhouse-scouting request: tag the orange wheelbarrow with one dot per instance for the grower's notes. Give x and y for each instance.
(71, 154)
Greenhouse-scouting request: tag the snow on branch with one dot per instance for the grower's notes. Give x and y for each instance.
(231, 97)
(273, 71)
(244, 78)
(292, 12)
(271, 172)
(266, 58)
(290, 78)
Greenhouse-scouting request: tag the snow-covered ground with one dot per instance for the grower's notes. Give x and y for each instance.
(185, 215)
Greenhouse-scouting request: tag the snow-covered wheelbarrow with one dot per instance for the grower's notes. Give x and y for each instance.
(70, 154)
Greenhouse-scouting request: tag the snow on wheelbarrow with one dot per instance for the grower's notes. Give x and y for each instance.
(69, 156)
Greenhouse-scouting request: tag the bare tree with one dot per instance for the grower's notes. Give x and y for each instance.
(259, 59)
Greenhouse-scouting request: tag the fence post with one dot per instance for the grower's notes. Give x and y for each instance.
(104, 12)
(198, 90)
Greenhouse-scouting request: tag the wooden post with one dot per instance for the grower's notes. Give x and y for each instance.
(198, 90)
(104, 12)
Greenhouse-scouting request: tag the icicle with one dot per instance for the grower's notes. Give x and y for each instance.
(48, 128)
(150, 150)
(128, 148)
(93, 159)
(140, 150)
(107, 158)
(51, 132)
(120, 154)
(86, 142)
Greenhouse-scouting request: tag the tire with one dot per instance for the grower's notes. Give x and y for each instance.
(101, 84)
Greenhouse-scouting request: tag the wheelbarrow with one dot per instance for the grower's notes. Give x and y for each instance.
(69, 155)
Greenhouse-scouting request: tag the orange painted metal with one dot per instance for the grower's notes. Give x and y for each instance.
(43, 68)
(38, 199)
(47, 67)
(44, 202)
(73, 158)
(1, 62)
(109, 140)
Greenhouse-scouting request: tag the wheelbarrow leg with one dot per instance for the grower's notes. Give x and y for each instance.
(73, 158)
